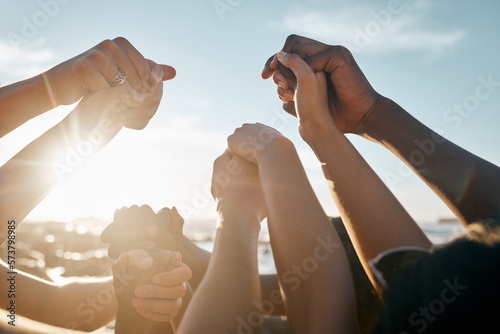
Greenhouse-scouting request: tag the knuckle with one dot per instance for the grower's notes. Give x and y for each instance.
(98, 56)
(86, 66)
(121, 40)
(107, 45)
(295, 49)
(343, 53)
(291, 39)
(104, 43)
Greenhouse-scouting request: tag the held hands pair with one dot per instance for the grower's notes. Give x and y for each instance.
(111, 77)
(149, 275)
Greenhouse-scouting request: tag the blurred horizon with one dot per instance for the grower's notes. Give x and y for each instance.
(429, 57)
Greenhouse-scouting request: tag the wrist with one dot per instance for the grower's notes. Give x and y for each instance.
(373, 124)
(234, 218)
(315, 136)
(278, 145)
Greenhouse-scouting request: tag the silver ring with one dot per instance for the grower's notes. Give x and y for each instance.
(119, 79)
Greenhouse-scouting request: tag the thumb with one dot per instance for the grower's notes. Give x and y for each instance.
(292, 61)
(168, 72)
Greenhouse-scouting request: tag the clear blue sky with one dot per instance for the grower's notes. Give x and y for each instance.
(427, 56)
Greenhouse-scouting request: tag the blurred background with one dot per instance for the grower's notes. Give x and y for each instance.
(430, 57)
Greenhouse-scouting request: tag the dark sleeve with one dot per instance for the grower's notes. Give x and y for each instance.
(369, 304)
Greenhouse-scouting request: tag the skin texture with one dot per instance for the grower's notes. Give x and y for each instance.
(467, 184)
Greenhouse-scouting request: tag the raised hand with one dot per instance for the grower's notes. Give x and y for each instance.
(351, 98)
(236, 187)
(97, 68)
(251, 140)
(311, 100)
(141, 227)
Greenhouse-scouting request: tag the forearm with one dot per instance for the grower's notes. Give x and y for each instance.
(469, 185)
(271, 295)
(374, 218)
(303, 238)
(231, 287)
(85, 305)
(30, 175)
(22, 101)
(195, 258)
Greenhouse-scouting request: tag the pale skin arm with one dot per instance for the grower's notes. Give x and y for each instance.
(467, 184)
(230, 291)
(319, 298)
(32, 173)
(85, 305)
(374, 218)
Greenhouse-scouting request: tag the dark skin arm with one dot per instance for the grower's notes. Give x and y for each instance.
(469, 185)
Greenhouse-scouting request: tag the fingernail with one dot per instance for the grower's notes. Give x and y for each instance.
(177, 256)
(288, 96)
(282, 84)
(281, 54)
(146, 260)
(136, 303)
(156, 280)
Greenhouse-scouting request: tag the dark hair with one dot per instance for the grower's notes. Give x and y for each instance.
(454, 289)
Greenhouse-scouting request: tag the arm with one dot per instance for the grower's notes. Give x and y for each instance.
(86, 305)
(30, 175)
(229, 295)
(86, 73)
(468, 184)
(374, 218)
(312, 266)
(164, 230)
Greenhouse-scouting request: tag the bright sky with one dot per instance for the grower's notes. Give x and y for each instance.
(427, 56)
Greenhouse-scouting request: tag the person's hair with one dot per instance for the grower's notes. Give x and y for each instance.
(454, 289)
